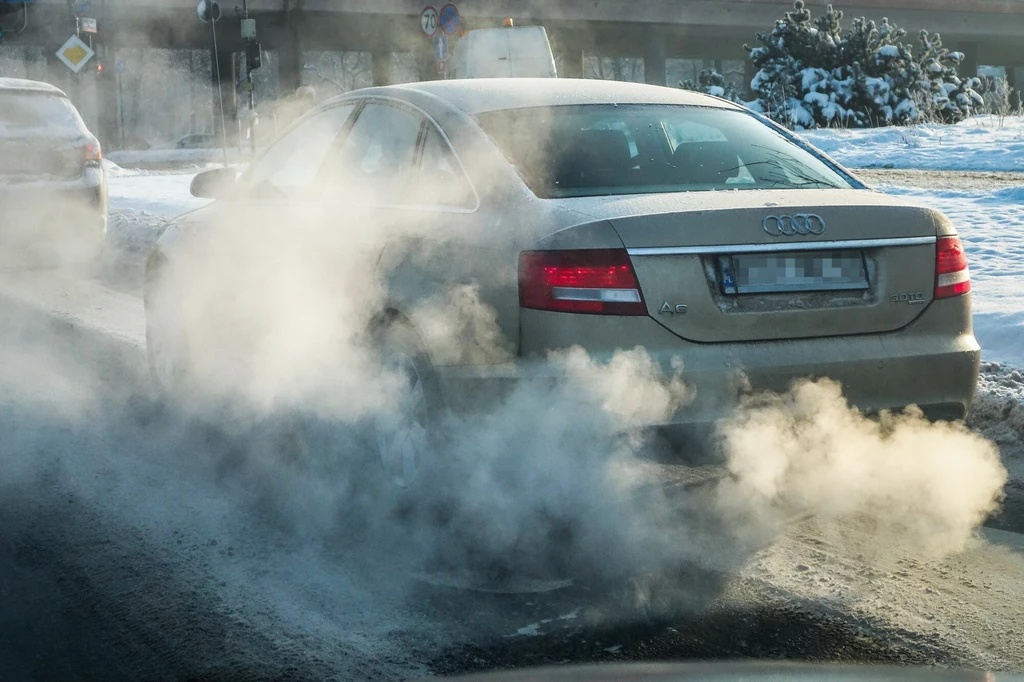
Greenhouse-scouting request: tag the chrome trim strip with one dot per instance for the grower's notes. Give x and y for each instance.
(775, 247)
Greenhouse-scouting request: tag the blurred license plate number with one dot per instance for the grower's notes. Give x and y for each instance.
(788, 272)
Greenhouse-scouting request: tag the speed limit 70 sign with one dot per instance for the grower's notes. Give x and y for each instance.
(428, 20)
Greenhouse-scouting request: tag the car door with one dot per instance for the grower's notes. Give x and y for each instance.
(400, 191)
(366, 178)
(449, 257)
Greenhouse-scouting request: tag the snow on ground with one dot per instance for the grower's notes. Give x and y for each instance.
(171, 158)
(141, 203)
(982, 143)
(165, 194)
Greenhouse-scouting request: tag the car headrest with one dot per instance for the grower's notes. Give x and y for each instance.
(706, 163)
(593, 158)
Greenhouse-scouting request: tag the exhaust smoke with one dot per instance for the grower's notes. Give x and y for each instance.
(261, 488)
(547, 475)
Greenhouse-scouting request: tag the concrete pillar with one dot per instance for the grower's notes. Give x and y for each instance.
(289, 61)
(969, 66)
(381, 63)
(569, 59)
(572, 64)
(1015, 79)
(425, 63)
(226, 96)
(654, 55)
(108, 128)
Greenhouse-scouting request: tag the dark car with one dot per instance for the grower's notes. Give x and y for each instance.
(53, 191)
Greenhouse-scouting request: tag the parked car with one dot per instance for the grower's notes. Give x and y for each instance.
(194, 141)
(612, 215)
(53, 191)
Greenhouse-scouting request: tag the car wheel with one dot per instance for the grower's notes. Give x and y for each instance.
(165, 360)
(401, 445)
(406, 438)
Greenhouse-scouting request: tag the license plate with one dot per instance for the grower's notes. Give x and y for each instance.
(759, 273)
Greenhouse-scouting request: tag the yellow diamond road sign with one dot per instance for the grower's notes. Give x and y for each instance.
(75, 53)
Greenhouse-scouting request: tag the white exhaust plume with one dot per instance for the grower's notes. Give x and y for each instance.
(552, 473)
(920, 487)
(276, 317)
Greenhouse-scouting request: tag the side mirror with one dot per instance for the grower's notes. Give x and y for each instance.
(214, 184)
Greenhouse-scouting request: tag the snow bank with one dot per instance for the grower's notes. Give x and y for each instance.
(175, 158)
(165, 195)
(982, 143)
(142, 202)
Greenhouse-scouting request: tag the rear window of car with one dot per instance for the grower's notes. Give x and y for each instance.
(31, 110)
(607, 149)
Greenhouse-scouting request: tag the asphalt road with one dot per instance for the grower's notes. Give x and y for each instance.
(133, 546)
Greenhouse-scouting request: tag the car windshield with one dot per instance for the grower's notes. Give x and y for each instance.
(607, 149)
(21, 110)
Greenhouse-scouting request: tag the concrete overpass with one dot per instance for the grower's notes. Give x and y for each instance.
(987, 31)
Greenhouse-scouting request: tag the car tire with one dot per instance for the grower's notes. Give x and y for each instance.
(400, 446)
(407, 441)
(165, 360)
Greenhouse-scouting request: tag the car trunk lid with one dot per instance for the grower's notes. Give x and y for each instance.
(28, 156)
(767, 265)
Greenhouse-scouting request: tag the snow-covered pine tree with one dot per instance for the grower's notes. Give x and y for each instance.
(713, 83)
(779, 60)
(811, 73)
(951, 98)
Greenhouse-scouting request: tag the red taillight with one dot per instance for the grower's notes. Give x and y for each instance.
(597, 281)
(952, 276)
(91, 153)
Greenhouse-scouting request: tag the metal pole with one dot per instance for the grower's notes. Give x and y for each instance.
(120, 106)
(220, 93)
(252, 93)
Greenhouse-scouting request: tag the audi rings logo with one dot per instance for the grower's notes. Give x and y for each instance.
(792, 225)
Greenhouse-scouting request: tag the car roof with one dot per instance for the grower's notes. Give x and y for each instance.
(481, 95)
(22, 85)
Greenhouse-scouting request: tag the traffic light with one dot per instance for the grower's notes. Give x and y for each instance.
(253, 55)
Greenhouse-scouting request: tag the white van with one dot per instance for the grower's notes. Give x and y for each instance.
(510, 52)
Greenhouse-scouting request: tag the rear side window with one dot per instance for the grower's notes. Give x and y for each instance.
(606, 149)
(440, 181)
(30, 110)
(375, 162)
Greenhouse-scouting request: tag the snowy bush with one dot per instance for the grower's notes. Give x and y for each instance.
(713, 83)
(999, 97)
(812, 73)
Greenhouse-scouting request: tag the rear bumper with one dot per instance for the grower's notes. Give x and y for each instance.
(932, 363)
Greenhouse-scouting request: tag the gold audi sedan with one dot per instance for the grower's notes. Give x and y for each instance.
(609, 216)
